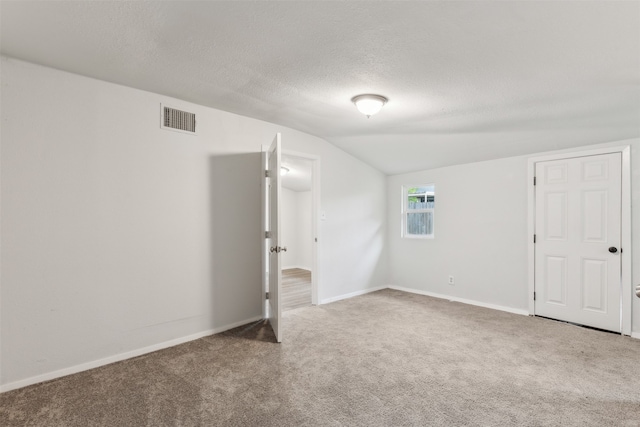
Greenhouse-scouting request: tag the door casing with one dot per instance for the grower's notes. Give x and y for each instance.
(626, 255)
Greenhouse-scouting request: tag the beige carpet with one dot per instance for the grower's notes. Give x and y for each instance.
(296, 288)
(383, 359)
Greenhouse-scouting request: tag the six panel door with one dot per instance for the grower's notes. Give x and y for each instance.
(577, 250)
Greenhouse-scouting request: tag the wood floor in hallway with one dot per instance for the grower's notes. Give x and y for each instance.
(296, 288)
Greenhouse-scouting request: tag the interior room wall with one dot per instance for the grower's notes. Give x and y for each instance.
(479, 208)
(305, 234)
(289, 223)
(481, 233)
(296, 222)
(119, 237)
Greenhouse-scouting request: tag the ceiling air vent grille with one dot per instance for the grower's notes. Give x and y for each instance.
(179, 120)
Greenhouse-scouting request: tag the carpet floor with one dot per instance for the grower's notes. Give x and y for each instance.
(387, 358)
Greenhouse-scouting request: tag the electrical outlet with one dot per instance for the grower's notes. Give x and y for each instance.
(451, 282)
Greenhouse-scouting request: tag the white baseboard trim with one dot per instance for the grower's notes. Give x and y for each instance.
(119, 357)
(635, 335)
(297, 266)
(463, 300)
(351, 295)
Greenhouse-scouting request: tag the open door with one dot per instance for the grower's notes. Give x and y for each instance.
(274, 184)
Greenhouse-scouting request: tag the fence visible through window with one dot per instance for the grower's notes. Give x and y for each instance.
(419, 204)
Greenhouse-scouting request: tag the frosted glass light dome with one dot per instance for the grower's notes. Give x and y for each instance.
(369, 104)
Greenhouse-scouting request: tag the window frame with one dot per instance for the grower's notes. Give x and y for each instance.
(405, 211)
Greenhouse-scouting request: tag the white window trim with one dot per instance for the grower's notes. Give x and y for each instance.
(405, 211)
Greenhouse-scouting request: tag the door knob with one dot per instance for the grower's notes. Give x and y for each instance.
(638, 291)
(284, 249)
(613, 249)
(273, 249)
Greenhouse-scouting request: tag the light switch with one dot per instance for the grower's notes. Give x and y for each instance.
(323, 215)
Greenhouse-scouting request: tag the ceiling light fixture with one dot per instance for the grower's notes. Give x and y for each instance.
(369, 104)
(284, 171)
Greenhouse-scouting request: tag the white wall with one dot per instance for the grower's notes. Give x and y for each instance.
(481, 232)
(296, 226)
(305, 230)
(118, 236)
(289, 224)
(479, 208)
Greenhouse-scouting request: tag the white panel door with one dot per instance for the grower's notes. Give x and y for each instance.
(577, 249)
(275, 272)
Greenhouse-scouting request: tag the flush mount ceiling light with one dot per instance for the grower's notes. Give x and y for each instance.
(369, 104)
(284, 171)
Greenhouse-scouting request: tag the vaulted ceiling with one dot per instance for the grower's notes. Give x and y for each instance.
(466, 81)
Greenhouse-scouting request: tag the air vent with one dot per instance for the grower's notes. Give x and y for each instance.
(179, 120)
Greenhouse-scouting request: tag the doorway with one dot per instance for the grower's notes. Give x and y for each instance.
(579, 255)
(298, 231)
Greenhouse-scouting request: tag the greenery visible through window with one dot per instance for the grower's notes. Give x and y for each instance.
(418, 210)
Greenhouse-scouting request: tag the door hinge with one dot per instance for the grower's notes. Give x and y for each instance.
(267, 234)
(534, 180)
(534, 296)
(534, 238)
(266, 174)
(266, 295)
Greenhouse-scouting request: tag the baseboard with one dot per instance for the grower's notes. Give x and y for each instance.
(120, 357)
(297, 266)
(351, 294)
(635, 335)
(463, 300)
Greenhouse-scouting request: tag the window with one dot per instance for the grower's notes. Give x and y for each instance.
(417, 211)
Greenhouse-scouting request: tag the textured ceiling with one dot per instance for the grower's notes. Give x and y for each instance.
(466, 81)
